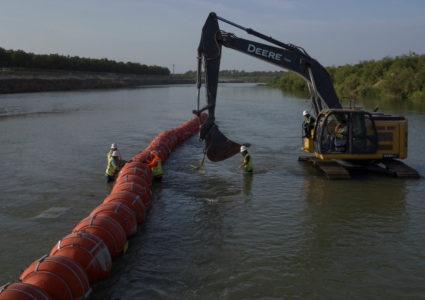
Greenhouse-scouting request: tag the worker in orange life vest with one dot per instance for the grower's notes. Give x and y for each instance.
(156, 165)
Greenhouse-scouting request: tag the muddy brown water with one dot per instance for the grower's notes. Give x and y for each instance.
(283, 232)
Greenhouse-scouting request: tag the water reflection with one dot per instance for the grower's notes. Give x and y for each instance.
(156, 191)
(346, 226)
(367, 195)
(247, 183)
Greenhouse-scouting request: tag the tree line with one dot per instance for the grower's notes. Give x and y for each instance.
(22, 59)
(255, 76)
(400, 78)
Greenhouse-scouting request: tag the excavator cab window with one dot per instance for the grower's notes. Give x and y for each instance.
(363, 133)
(345, 132)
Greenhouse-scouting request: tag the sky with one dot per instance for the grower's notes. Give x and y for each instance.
(167, 32)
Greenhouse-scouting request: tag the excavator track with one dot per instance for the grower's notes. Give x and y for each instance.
(340, 169)
(399, 169)
(330, 168)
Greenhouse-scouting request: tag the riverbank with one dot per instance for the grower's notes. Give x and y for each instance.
(400, 78)
(28, 81)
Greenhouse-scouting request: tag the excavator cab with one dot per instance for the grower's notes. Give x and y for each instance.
(344, 132)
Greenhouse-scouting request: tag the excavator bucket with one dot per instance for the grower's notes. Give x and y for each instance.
(217, 146)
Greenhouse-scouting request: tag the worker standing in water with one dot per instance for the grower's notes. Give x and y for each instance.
(114, 166)
(114, 147)
(156, 165)
(247, 160)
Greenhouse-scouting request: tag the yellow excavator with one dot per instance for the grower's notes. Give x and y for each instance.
(342, 139)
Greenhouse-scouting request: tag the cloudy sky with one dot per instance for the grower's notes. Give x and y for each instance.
(167, 32)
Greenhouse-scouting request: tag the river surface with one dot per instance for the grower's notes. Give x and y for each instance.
(283, 232)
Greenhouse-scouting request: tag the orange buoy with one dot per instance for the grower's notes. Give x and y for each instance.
(88, 250)
(121, 213)
(135, 159)
(163, 149)
(60, 277)
(136, 172)
(174, 138)
(22, 291)
(142, 156)
(132, 200)
(180, 136)
(136, 164)
(142, 191)
(132, 178)
(109, 230)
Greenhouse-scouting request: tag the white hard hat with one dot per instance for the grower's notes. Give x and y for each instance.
(114, 146)
(115, 154)
(244, 148)
(305, 113)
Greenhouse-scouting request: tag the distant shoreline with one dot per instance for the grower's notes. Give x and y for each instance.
(30, 81)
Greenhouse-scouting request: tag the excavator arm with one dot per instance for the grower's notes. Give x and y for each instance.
(287, 56)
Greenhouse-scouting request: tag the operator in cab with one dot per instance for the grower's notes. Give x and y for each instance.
(247, 160)
(113, 167)
(308, 123)
(156, 165)
(341, 136)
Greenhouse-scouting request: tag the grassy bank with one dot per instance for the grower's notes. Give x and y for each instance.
(22, 72)
(240, 76)
(24, 80)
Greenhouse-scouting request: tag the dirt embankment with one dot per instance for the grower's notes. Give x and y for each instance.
(24, 82)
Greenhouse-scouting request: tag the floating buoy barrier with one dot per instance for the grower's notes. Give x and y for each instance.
(23, 291)
(141, 191)
(130, 199)
(89, 251)
(133, 178)
(59, 276)
(108, 229)
(135, 171)
(121, 213)
(85, 255)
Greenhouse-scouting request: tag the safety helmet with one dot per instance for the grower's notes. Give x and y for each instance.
(115, 154)
(114, 146)
(244, 148)
(305, 113)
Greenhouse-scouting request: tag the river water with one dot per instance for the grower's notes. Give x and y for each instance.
(283, 232)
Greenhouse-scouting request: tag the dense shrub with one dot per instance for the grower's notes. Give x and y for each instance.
(401, 78)
(236, 75)
(19, 58)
